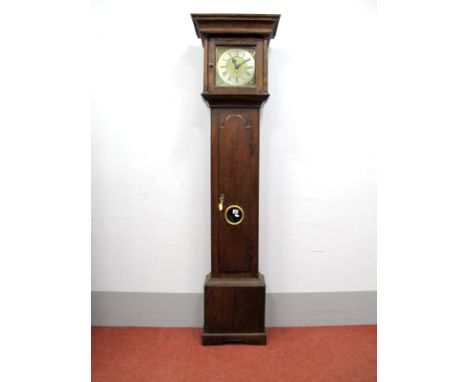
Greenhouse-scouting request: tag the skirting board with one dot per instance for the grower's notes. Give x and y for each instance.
(186, 309)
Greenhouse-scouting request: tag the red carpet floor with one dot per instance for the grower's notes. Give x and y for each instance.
(321, 354)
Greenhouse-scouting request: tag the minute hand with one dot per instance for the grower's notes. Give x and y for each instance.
(243, 62)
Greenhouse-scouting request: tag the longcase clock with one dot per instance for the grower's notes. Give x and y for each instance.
(235, 85)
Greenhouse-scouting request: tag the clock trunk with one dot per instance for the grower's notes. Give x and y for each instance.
(234, 172)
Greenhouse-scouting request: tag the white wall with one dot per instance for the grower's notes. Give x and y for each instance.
(150, 149)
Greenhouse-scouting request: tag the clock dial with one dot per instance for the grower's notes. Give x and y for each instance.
(235, 66)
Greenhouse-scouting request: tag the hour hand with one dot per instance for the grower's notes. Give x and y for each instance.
(236, 65)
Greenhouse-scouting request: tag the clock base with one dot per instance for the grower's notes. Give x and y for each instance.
(230, 338)
(234, 310)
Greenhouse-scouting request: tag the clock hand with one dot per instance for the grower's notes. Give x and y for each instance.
(236, 65)
(243, 62)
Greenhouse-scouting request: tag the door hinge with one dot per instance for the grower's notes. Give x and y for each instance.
(251, 146)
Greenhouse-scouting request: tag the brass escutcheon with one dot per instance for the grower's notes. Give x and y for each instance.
(227, 211)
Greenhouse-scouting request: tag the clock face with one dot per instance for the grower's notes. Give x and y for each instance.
(235, 66)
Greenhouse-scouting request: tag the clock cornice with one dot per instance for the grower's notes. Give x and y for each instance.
(234, 24)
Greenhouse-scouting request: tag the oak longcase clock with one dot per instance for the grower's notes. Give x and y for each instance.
(235, 85)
